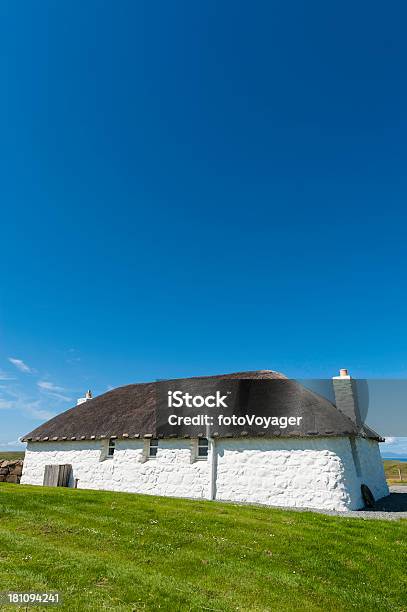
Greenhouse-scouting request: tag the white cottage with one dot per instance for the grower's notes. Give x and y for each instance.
(112, 442)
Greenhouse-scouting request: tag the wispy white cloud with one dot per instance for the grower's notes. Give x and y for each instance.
(35, 410)
(394, 447)
(49, 386)
(11, 443)
(73, 356)
(23, 404)
(54, 391)
(6, 376)
(20, 365)
(60, 397)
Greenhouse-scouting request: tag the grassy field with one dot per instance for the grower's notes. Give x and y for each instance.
(394, 469)
(117, 551)
(11, 455)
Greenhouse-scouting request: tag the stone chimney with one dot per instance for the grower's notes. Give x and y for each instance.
(82, 400)
(346, 396)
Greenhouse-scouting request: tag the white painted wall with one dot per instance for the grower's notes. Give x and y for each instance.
(372, 467)
(314, 472)
(170, 473)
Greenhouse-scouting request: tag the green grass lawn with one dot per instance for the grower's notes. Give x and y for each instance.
(118, 551)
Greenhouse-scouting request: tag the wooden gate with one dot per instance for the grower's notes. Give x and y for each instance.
(57, 475)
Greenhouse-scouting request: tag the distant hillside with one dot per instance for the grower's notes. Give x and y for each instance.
(11, 455)
(396, 471)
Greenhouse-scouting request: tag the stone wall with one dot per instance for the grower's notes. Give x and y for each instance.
(170, 473)
(313, 472)
(372, 468)
(10, 471)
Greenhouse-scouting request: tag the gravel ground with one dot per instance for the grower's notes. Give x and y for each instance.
(390, 508)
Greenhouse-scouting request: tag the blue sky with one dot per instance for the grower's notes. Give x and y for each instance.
(192, 188)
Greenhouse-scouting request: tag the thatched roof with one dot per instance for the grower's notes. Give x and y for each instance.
(132, 411)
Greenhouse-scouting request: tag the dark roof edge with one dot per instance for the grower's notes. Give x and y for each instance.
(124, 436)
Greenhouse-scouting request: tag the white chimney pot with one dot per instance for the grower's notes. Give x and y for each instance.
(82, 400)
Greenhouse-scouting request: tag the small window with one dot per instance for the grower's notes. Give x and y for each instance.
(202, 448)
(111, 448)
(153, 448)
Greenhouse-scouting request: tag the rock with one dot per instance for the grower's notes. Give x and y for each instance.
(3, 471)
(2, 478)
(17, 470)
(11, 478)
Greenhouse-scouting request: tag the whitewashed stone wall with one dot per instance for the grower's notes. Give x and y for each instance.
(315, 472)
(170, 473)
(372, 468)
